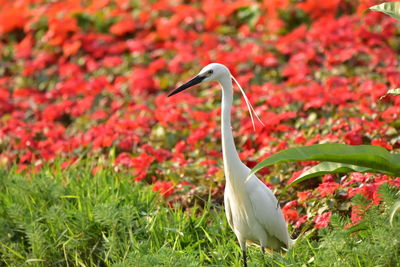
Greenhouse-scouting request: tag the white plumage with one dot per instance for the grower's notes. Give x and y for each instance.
(251, 208)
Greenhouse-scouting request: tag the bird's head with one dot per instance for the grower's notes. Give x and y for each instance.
(211, 72)
(216, 72)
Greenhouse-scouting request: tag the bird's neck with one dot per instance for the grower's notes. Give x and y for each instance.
(230, 155)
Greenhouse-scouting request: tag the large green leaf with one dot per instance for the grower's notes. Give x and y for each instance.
(373, 157)
(392, 9)
(327, 167)
(391, 92)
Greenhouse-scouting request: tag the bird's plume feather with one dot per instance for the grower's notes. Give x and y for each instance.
(249, 106)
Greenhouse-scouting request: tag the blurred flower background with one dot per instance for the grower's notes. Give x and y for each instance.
(87, 80)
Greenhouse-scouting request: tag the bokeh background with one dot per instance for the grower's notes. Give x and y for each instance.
(87, 81)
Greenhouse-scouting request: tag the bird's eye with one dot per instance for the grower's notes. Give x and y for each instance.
(208, 73)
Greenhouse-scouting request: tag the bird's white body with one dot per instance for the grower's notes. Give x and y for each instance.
(251, 208)
(253, 213)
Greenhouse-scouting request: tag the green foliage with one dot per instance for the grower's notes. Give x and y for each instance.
(293, 17)
(372, 242)
(97, 21)
(73, 218)
(327, 167)
(249, 15)
(390, 8)
(364, 158)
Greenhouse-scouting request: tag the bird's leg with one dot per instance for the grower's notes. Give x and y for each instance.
(242, 243)
(244, 258)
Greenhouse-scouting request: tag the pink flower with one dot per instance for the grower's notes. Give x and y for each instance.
(301, 220)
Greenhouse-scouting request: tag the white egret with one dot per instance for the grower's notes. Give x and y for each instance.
(251, 208)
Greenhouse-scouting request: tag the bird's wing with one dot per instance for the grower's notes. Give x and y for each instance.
(266, 209)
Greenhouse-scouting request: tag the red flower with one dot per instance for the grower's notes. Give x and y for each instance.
(290, 214)
(300, 140)
(142, 81)
(59, 28)
(291, 204)
(124, 159)
(112, 61)
(22, 167)
(198, 134)
(165, 188)
(355, 178)
(370, 191)
(212, 170)
(98, 115)
(327, 178)
(96, 169)
(180, 147)
(288, 211)
(391, 113)
(159, 154)
(356, 214)
(322, 220)
(208, 162)
(382, 143)
(353, 138)
(123, 27)
(127, 142)
(24, 48)
(71, 47)
(327, 188)
(318, 9)
(142, 161)
(301, 220)
(157, 65)
(303, 196)
(296, 174)
(12, 17)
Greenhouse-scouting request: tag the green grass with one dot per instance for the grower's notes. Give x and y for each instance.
(74, 218)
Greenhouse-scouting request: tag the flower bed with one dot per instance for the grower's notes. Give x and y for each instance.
(89, 81)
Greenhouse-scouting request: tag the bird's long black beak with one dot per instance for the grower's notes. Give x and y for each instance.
(194, 81)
